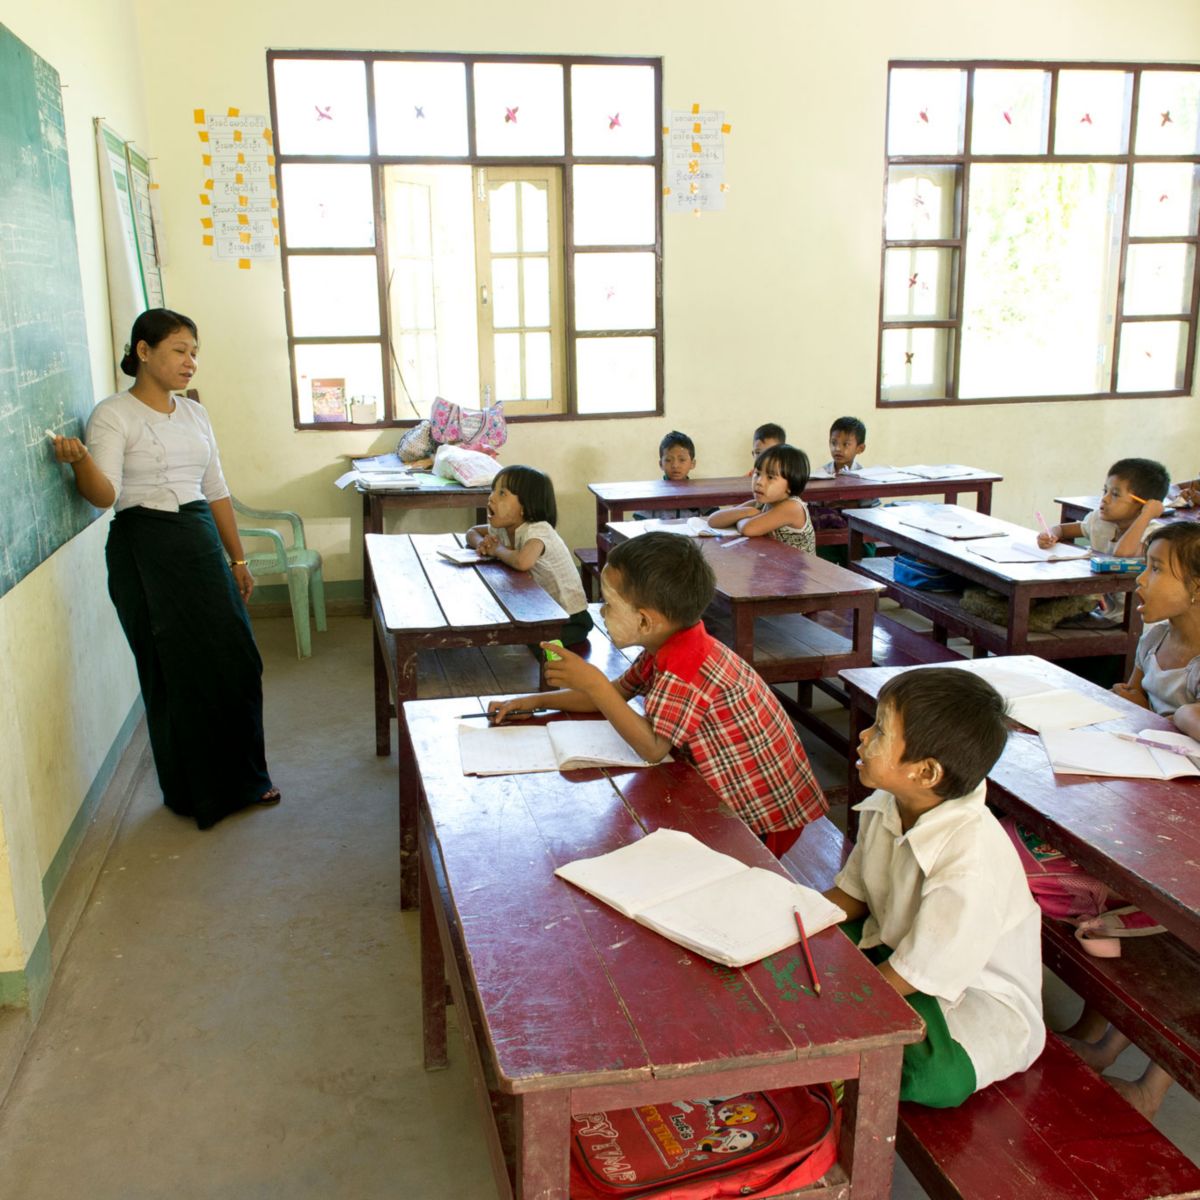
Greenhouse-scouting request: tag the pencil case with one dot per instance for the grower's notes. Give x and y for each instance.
(1111, 564)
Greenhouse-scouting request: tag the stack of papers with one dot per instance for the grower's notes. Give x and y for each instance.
(948, 520)
(1036, 705)
(945, 471)
(1090, 752)
(559, 746)
(465, 557)
(703, 900)
(1013, 550)
(381, 472)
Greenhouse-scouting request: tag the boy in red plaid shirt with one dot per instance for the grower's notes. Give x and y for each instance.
(702, 701)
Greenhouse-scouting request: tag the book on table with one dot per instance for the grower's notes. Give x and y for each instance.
(1016, 550)
(1093, 752)
(943, 471)
(701, 899)
(463, 556)
(1034, 702)
(948, 521)
(692, 527)
(558, 746)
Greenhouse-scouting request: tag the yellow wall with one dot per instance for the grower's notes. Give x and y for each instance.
(771, 307)
(69, 678)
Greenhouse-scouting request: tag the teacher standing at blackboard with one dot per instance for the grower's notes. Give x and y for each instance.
(181, 603)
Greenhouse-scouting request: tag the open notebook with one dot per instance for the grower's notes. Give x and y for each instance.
(692, 527)
(1013, 550)
(949, 521)
(1036, 703)
(559, 746)
(464, 556)
(702, 899)
(1091, 752)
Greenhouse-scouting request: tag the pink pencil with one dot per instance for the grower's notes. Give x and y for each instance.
(812, 970)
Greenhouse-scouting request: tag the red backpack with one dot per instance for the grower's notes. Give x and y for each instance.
(755, 1144)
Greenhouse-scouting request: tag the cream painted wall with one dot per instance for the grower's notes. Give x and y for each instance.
(70, 680)
(771, 307)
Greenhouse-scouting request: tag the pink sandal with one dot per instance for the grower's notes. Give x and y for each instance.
(1101, 936)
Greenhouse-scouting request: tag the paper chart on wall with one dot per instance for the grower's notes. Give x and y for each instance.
(694, 166)
(240, 211)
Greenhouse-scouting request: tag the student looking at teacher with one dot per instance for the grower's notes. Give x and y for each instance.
(776, 509)
(702, 701)
(933, 890)
(151, 453)
(520, 533)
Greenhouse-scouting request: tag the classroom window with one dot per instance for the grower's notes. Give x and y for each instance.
(1040, 232)
(478, 227)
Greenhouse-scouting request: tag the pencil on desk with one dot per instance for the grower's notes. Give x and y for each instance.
(812, 970)
(512, 716)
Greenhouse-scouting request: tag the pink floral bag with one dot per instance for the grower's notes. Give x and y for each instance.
(471, 428)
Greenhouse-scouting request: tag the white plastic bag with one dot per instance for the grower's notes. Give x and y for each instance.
(469, 467)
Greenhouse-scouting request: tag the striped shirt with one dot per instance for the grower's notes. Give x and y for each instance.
(717, 711)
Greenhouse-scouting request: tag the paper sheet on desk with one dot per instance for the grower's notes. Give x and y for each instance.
(945, 471)
(947, 520)
(1092, 752)
(1037, 705)
(881, 474)
(1011, 550)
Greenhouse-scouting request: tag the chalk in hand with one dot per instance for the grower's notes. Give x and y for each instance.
(51, 435)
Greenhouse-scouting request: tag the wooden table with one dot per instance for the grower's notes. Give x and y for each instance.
(1021, 583)
(614, 500)
(423, 602)
(1075, 508)
(1141, 837)
(426, 495)
(760, 577)
(568, 1007)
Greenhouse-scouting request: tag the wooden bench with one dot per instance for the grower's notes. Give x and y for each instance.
(589, 570)
(1056, 1131)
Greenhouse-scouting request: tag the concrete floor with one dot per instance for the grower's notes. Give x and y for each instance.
(237, 1015)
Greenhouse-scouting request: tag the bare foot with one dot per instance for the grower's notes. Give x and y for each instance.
(1094, 1054)
(1144, 1097)
(1090, 1027)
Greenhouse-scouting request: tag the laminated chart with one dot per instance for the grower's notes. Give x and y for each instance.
(694, 172)
(240, 217)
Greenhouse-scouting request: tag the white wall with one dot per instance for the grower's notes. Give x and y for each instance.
(771, 307)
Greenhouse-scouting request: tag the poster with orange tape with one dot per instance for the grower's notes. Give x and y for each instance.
(694, 166)
(239, 217)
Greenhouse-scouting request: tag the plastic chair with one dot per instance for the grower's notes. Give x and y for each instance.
(301, 565)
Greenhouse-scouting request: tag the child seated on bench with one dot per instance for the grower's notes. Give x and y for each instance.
(520, 533)
(677, 461)
(933, 890)
(703, 703)
(765, 436)
(776, 510)
(1166, 678)
(847, 440)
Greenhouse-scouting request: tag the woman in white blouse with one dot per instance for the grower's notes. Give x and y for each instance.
(152, 454)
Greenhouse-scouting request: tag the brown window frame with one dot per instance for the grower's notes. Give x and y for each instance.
(957, 245)
(566, 161)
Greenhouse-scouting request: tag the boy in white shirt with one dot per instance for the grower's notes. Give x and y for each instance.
(935, 892)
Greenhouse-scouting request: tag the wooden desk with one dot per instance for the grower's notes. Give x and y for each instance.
(427, 495)
(1021, 583)
(423, 602)
(614, 500)
(1075, 508)
(568, 1007)
(1141, 837)
(760, 577)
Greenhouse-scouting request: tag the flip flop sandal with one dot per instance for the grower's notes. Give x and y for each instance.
(1101, 936)
(273, 796)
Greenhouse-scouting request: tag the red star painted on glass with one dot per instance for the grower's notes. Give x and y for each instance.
(1086, 119)
(918, 201)
(1163, 198)
(324, 114)
(610, 293)
(419, 111)
(908, 357)
(923, 115)
(912, 280)
(1166, 119)
(510, 114)
(1007, 117)
(614, 121)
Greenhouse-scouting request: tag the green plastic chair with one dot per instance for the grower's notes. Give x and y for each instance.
(301, 565)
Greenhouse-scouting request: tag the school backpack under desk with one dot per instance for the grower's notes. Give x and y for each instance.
(756, 1144)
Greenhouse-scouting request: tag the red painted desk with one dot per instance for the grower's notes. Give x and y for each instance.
(568, 1007)
(1140, 837)
(1075, 508)
(614, 500)
(428, 495)
(423, 602)
(760, 577)
(1021, 583)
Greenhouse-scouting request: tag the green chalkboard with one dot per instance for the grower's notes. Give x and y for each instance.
(45, 372)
